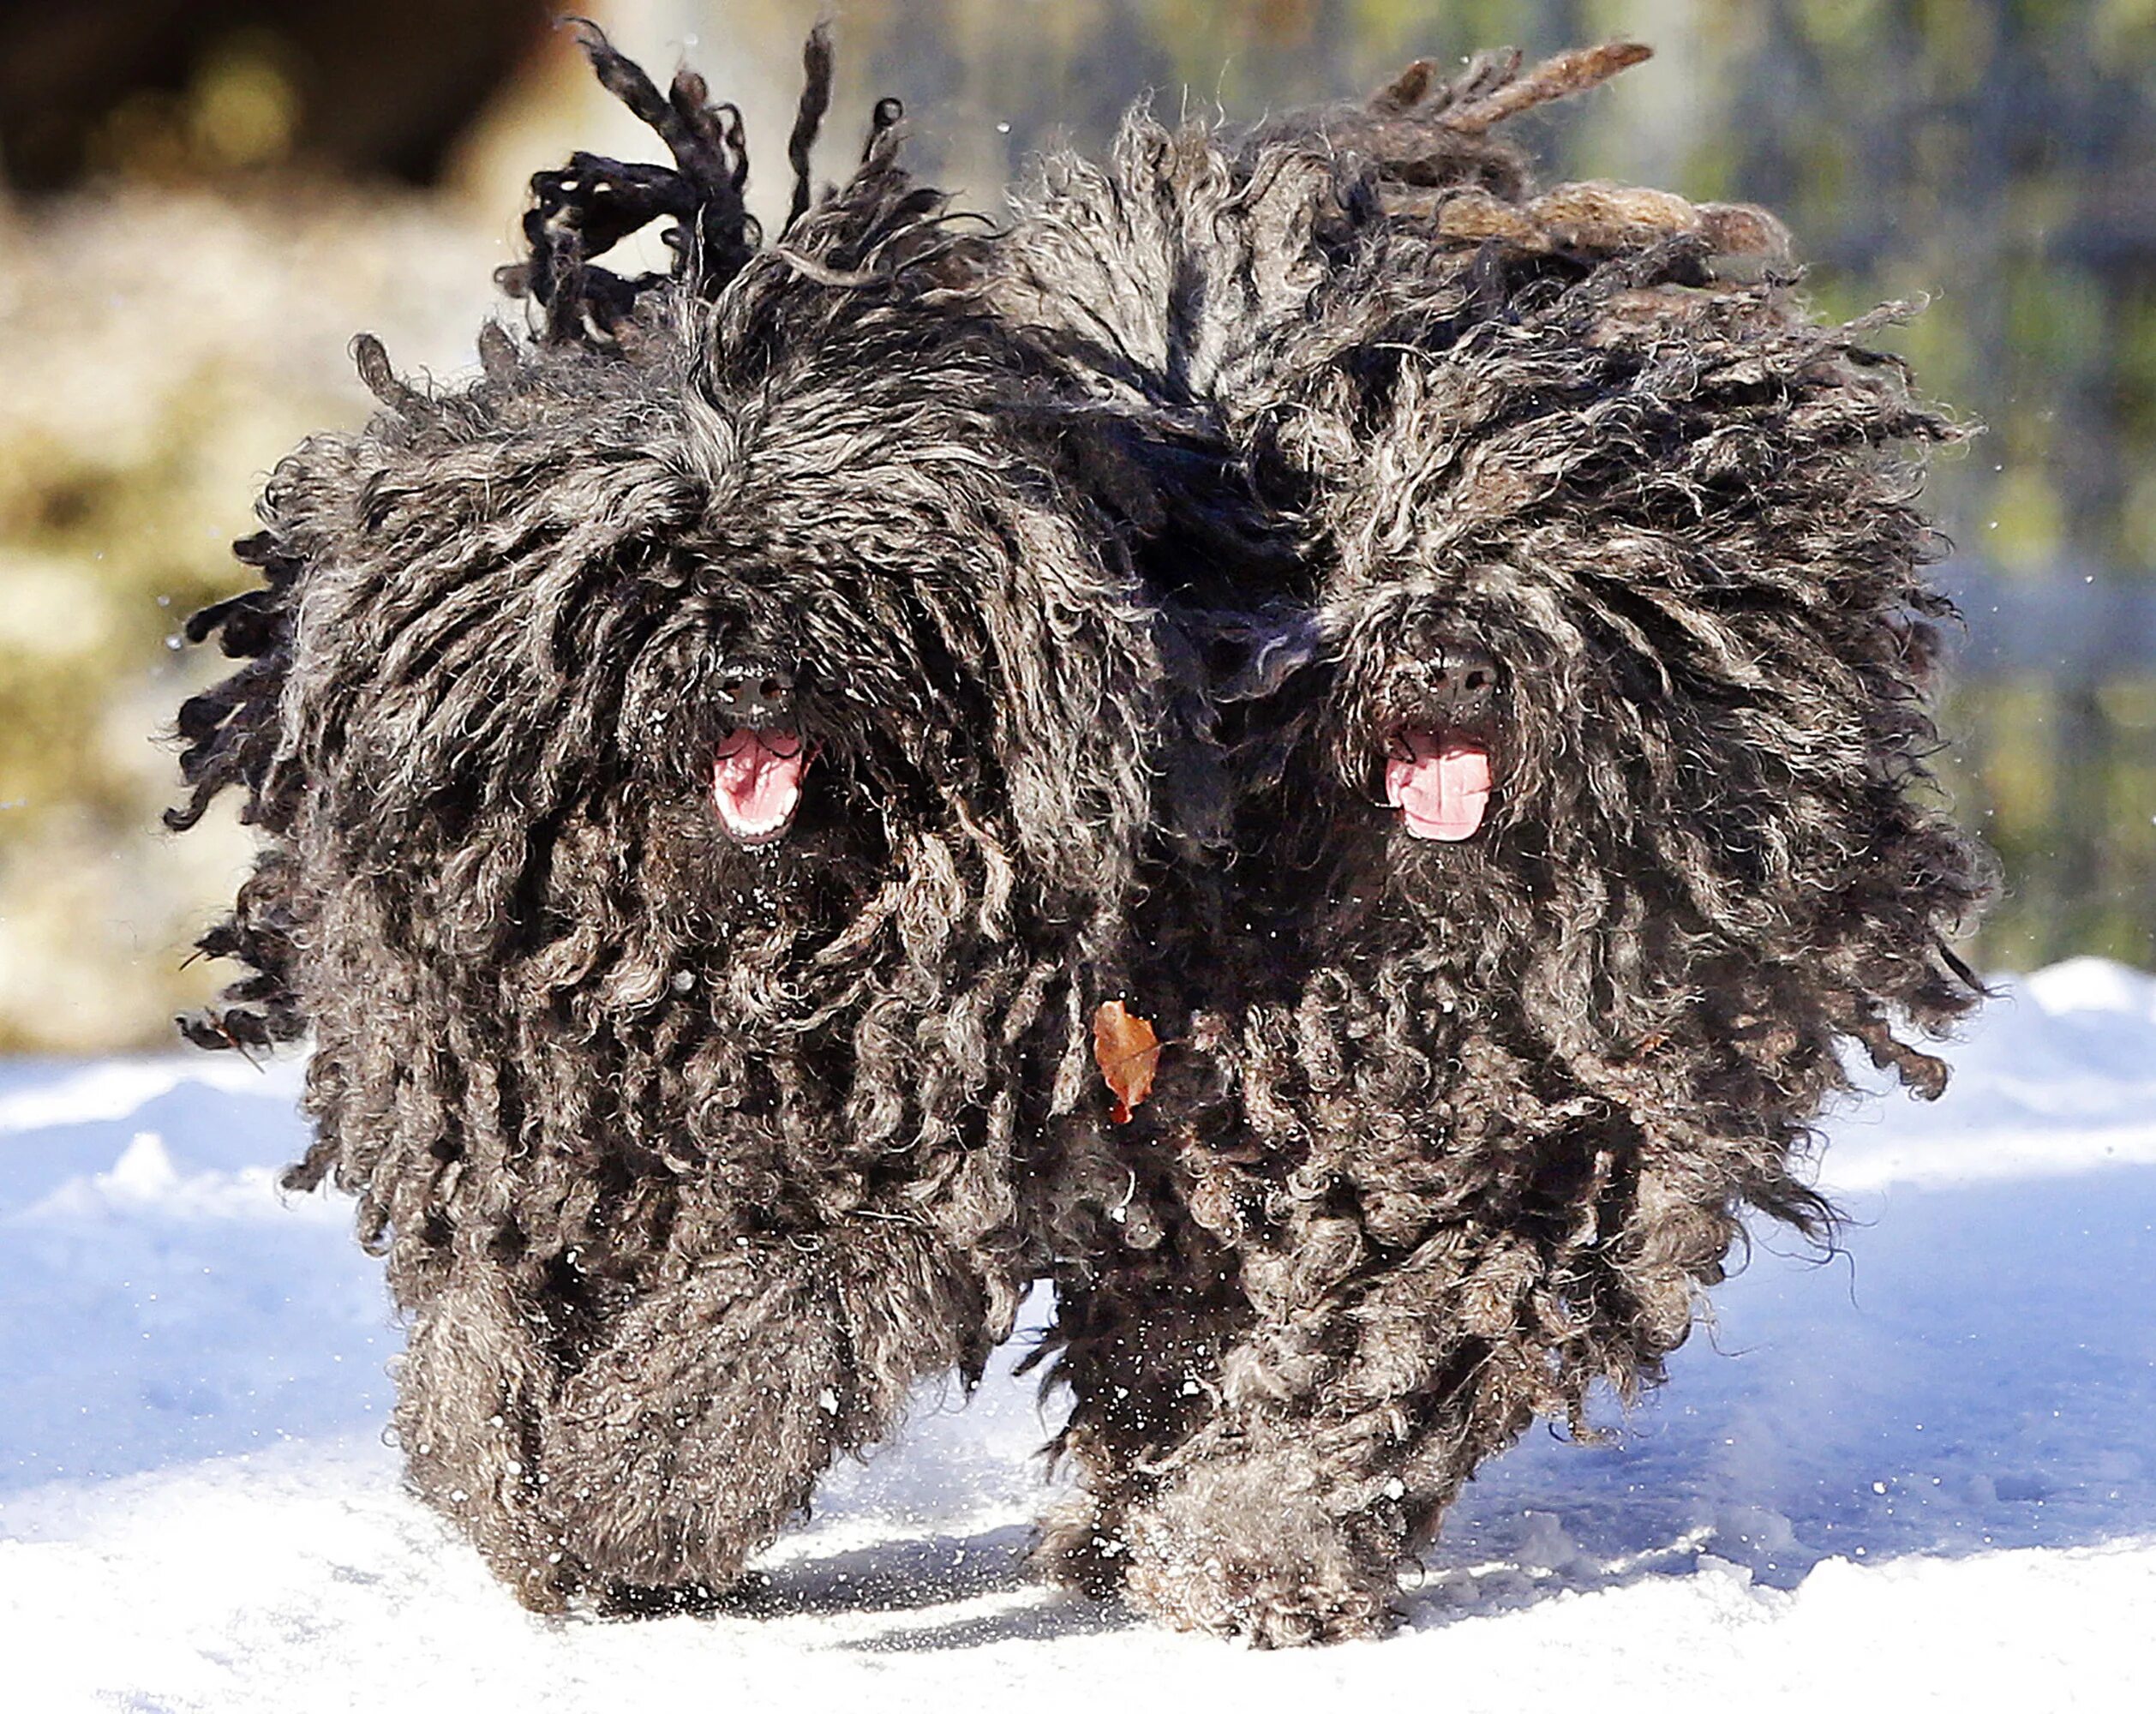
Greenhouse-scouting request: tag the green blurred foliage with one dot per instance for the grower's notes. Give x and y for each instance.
(162, 349)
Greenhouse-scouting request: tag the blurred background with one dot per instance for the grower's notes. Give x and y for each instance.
(200, 201)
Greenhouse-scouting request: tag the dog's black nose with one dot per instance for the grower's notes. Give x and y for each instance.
(1461, 681)
(752, 692)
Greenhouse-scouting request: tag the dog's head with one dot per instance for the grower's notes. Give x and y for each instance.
(1619, 682)
(724, 715)
(771, 610)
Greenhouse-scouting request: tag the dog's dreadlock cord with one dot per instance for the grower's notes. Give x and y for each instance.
(581, 211)
(808, 119)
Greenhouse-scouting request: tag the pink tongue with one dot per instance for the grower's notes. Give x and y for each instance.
(1441, 790)
(756, 781)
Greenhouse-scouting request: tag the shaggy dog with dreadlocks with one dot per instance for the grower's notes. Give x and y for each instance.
(712, 767)
(699, 765)
(1580, 809)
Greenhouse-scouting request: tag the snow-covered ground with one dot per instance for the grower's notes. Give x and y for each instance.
(1921, 1474)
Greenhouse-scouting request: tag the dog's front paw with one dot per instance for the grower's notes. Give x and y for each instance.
(1232, 1549)
(682, 1447)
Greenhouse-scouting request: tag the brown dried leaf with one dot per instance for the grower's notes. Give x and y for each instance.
(1128, 1053)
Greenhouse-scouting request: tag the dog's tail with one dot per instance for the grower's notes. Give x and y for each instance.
(582, 210)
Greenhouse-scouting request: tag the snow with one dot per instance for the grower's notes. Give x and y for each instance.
(1919, 1475)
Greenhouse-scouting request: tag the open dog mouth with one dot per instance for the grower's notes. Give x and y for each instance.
(756, 783)
(1437, 756)
(1439, 782)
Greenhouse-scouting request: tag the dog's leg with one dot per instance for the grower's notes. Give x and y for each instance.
(1271, 1524)
(1248, 1542)
(1349, 1414)
(472, 1388)
(1137, 1343)
(696, 1430)
(700, 1427)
